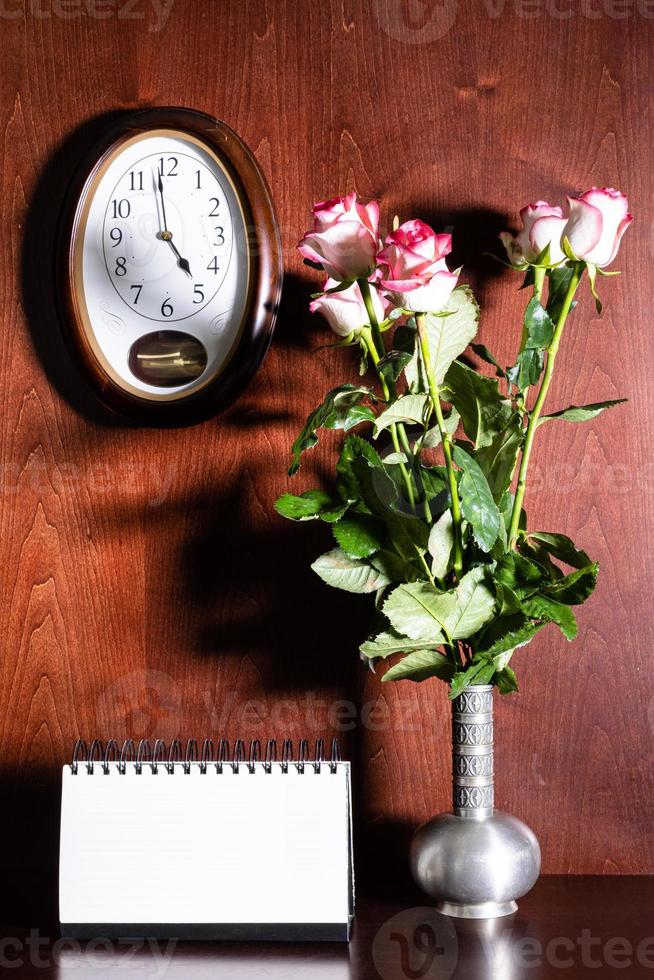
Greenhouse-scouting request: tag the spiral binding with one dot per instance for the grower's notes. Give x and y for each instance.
(159, 756)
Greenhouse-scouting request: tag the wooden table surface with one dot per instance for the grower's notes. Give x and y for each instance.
(567, 927)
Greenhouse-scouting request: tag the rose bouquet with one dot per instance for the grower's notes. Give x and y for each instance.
(427, 505)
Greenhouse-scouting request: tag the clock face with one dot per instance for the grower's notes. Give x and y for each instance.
(161, 264)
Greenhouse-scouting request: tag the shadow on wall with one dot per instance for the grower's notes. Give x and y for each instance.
(475, 242)
(38, 270)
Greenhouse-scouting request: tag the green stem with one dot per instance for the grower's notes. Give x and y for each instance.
(364, 286)
(426, 567)
(374, 356)
(375, 344)
(447, 444)
(540, 401)
(539, 282)
(404, 439)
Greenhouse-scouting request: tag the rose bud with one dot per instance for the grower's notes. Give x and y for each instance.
(345, 310)
(413, 269)
(344, 238)
(542, 225)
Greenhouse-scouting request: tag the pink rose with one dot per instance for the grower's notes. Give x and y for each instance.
(598, 220)
(542, 225)
(413, 268)
(345, 310)
(344, 238)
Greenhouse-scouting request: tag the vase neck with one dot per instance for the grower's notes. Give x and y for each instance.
(472, 753)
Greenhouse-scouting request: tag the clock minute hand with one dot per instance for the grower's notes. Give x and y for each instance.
(167, 236)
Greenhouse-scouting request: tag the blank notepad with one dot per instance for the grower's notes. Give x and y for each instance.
(205, 849)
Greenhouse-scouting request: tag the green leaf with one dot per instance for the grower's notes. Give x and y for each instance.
(559, 282)
(354, 448)
(562, 548)
(448, 335)
(542, 607)
(408, 408)
(441, 542)
(432, 437)
(394, 567)
(434, 480)
(483, 352)
(308, 506)
(474, 606)
(538, 326)
(516, 571)
(387, 643)
(380, 494)
(419, 611)
(334, 514)
(581, 413)
(341, 409)
(510, 634)
(350, 574)
(527, 369)
(498, 460)
(477, 503)
(508, 600)
(575, 588)
(472, 674)
(420, 665)
(484, 412)
(505, 680)
(358, 535)
(392, 364)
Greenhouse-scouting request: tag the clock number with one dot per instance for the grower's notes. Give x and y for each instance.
(136, 180)
(121, 266)
(116, 236)
(220, 234)
(200, 295)
(215, 202)
(213, 266)
(122, 209)
(166, 308)
(139, 290)
(198, 185)
(172, 163)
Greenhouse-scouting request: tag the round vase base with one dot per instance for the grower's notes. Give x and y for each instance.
(477, 910)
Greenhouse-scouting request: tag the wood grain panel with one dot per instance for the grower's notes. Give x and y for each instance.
(147, 585)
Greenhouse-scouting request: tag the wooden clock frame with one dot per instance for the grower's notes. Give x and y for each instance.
(265, 278)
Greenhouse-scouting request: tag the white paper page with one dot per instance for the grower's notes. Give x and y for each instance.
(205, 847)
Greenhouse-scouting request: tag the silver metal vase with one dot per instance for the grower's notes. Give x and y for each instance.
(475, 861)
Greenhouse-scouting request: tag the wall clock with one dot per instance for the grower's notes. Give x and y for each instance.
(169, 266)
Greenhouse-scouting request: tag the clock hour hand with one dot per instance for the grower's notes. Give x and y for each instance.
(181, 262)
(167, 236)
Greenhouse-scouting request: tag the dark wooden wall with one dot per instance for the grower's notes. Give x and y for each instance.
(147, 585)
